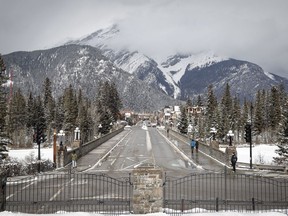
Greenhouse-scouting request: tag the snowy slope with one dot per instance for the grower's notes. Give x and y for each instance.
(189, 62)
(181, 76)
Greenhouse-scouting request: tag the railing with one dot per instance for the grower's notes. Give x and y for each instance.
(99, 193)
(222, 157)
(225, 192)
(44, 194)
(87, 147)
(264, 167)
(219, 155)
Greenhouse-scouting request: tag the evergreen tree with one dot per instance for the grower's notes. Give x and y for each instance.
(3, 93)
(70, 109)
(40, 121)
(199, 101)
(30, 112)
(211, 109)
(274, 108)
(49, 108)
(282, 150)
(114, 102)
(183, 124)
(108, 105)
(188, 108)
(49, 103)
(226, 123)
(258, 119)
(236, 118)
(17, 119)
(85, 122)
(3, 110)
(189, 103)
(59, 114)
(244, 117)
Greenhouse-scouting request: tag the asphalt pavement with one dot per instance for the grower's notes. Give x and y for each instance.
(202, 161)
(94, 157)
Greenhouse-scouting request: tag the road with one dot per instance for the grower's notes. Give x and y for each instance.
(104, 185)
(145, 145)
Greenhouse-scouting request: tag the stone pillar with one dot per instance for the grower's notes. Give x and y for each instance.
(148, 189)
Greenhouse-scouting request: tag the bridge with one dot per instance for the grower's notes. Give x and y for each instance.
(147, 162)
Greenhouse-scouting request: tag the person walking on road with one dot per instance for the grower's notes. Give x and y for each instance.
(233, 161)
(193, 144)
(74, 158)
(197, 145)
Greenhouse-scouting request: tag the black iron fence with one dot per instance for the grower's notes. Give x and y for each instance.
(52, 193)
(99, 193)
(224, 192)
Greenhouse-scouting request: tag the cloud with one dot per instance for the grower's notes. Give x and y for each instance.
(255, 31)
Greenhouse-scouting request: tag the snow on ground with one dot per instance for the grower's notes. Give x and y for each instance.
(21, 154)
(261, 154)
(154, 214)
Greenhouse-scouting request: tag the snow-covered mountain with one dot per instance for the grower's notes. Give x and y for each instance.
(82, 67)
(182, 76)
(133, 62)
(144, 83)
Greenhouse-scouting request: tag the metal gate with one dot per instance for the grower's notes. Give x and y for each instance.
(223, 192)
(50, 193)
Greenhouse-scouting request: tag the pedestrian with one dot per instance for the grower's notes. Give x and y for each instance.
(233, 161)
(197, 145)
(74, 158)
(193, 144)
(168, 132)
(61, 146)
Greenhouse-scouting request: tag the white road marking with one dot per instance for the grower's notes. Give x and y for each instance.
(148, 142)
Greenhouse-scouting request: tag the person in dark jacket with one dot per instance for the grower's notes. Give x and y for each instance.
(233, 161)
(197, 144)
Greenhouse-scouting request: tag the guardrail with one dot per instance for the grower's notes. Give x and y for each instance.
(87, 147)
(223, 158)
(264, 167)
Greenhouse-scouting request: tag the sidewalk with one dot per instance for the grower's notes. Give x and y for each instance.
(94, 157)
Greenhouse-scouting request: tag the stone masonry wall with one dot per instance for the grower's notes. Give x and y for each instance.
(148, 189)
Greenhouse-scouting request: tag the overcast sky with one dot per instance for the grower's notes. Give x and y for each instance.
(252, 30)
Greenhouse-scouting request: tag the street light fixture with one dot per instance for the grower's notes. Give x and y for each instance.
(230, 135)
(190, 127)
(213, 131)
(100, 129)
(77, 134)
(61, 134)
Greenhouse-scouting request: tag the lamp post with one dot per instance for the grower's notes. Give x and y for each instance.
(100, 129)
(111, 126)
(54, 146)
(61, 134)
(77, 134)
(213, 131)
(190, 127)
(230, 135)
